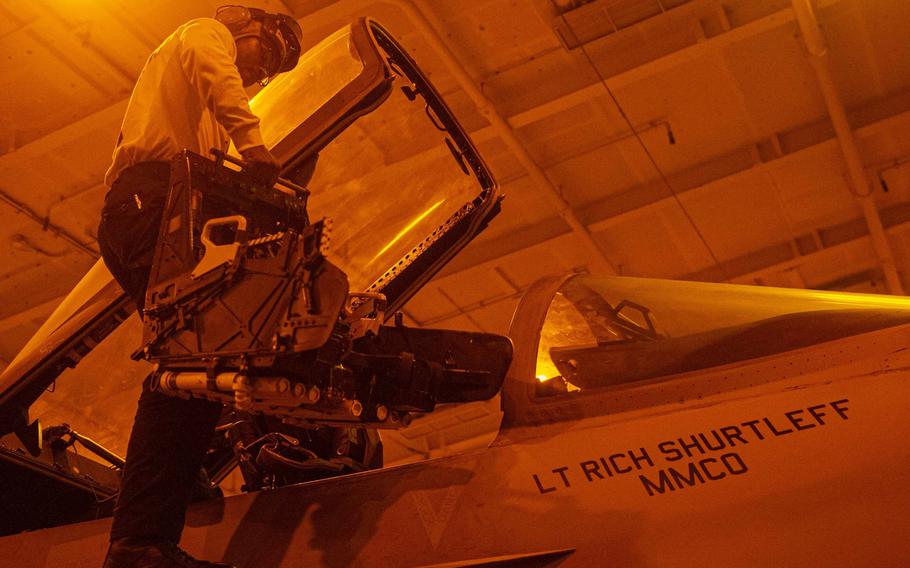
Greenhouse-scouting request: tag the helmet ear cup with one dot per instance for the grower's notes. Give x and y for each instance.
(292, 37)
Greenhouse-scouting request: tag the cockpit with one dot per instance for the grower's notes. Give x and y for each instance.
(607, 332)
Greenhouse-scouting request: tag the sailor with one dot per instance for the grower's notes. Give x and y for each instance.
(190, 95)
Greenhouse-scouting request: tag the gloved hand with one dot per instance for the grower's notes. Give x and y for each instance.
(261, 164)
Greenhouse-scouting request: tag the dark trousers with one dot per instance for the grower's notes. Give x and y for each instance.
(170, 435)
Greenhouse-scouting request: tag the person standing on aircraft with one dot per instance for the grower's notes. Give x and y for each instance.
(190, 95)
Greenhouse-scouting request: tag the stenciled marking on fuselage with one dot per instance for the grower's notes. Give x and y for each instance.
(711, 455)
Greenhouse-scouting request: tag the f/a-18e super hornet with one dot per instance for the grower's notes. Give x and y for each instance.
(645, 422)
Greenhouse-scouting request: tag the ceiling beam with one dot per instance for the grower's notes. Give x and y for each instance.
(46, 225)
(114, 113)
(109, 116)
(426, 22)
(20, 159)
(645, 70)
(739, 33)
(76, 53)
(504, 127)
(826, 254)
(641, 200)
(700, 49)
(818, 55)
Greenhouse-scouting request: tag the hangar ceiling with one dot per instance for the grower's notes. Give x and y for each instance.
(687, 139)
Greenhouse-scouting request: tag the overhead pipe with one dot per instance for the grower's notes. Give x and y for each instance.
(46, 225)
(600, 264)
(818, 57)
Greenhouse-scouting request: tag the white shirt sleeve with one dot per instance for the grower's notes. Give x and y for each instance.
(207, 53)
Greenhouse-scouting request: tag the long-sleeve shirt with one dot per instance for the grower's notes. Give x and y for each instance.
(189, 95)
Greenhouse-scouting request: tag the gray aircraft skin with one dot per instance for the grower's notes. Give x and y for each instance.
(798, 457)
(645, 423)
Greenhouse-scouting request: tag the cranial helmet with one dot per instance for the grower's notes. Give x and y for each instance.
(280, 34)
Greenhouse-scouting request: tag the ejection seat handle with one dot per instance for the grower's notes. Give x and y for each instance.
(215, 254)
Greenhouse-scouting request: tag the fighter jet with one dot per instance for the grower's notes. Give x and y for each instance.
(645, 422)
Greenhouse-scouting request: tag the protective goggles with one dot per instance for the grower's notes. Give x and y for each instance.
(279, 35)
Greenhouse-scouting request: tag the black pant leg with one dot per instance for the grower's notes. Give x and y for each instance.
(166, 448)
(130, 223)
(133, 281)
(170, 435)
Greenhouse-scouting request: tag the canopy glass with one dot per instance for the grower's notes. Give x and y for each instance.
(602, 332)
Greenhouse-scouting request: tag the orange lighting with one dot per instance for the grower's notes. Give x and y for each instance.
(408, 228)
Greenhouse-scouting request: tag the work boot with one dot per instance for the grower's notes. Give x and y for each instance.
(132, 553)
